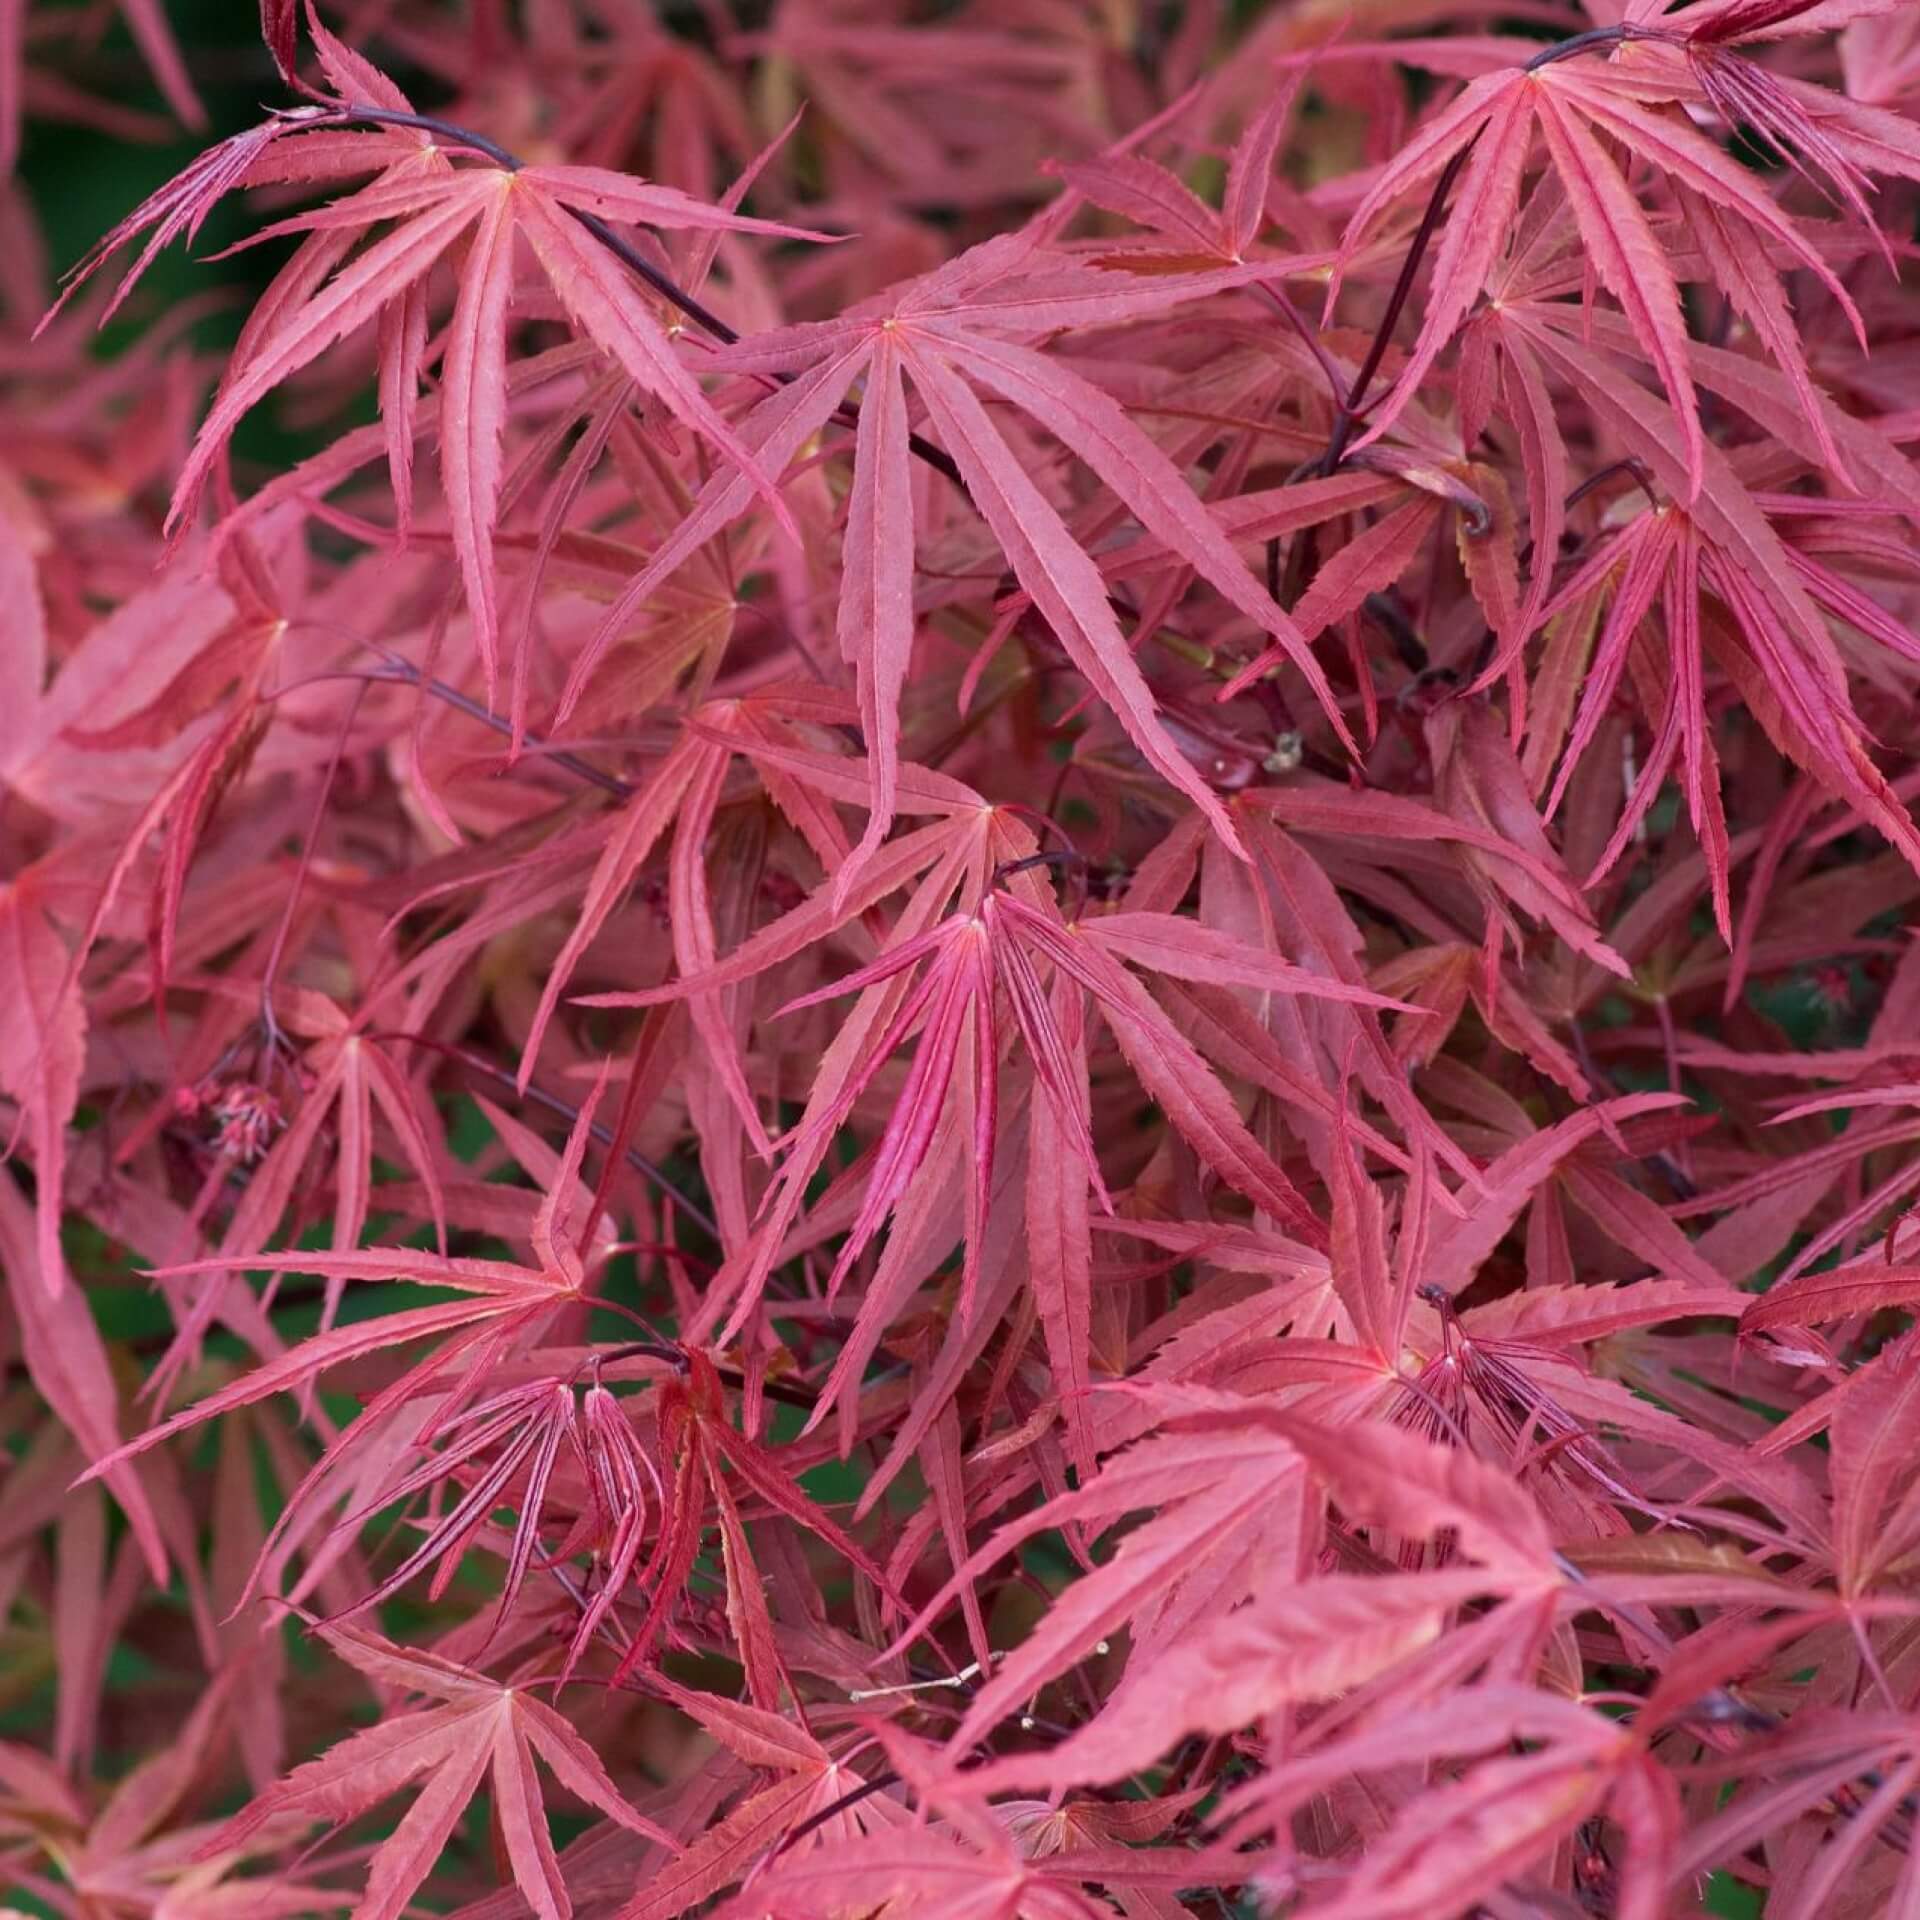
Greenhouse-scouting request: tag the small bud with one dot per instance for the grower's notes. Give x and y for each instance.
(1286, 755)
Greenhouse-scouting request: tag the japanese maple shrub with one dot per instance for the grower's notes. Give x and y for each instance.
(955, 963)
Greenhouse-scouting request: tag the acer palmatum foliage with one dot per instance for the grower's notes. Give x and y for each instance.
(1007, 1009)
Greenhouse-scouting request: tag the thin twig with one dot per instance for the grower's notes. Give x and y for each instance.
(637, 1160)
(403, 670)
(1348, 413)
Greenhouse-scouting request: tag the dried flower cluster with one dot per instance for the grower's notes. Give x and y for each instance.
(1005, 1011)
